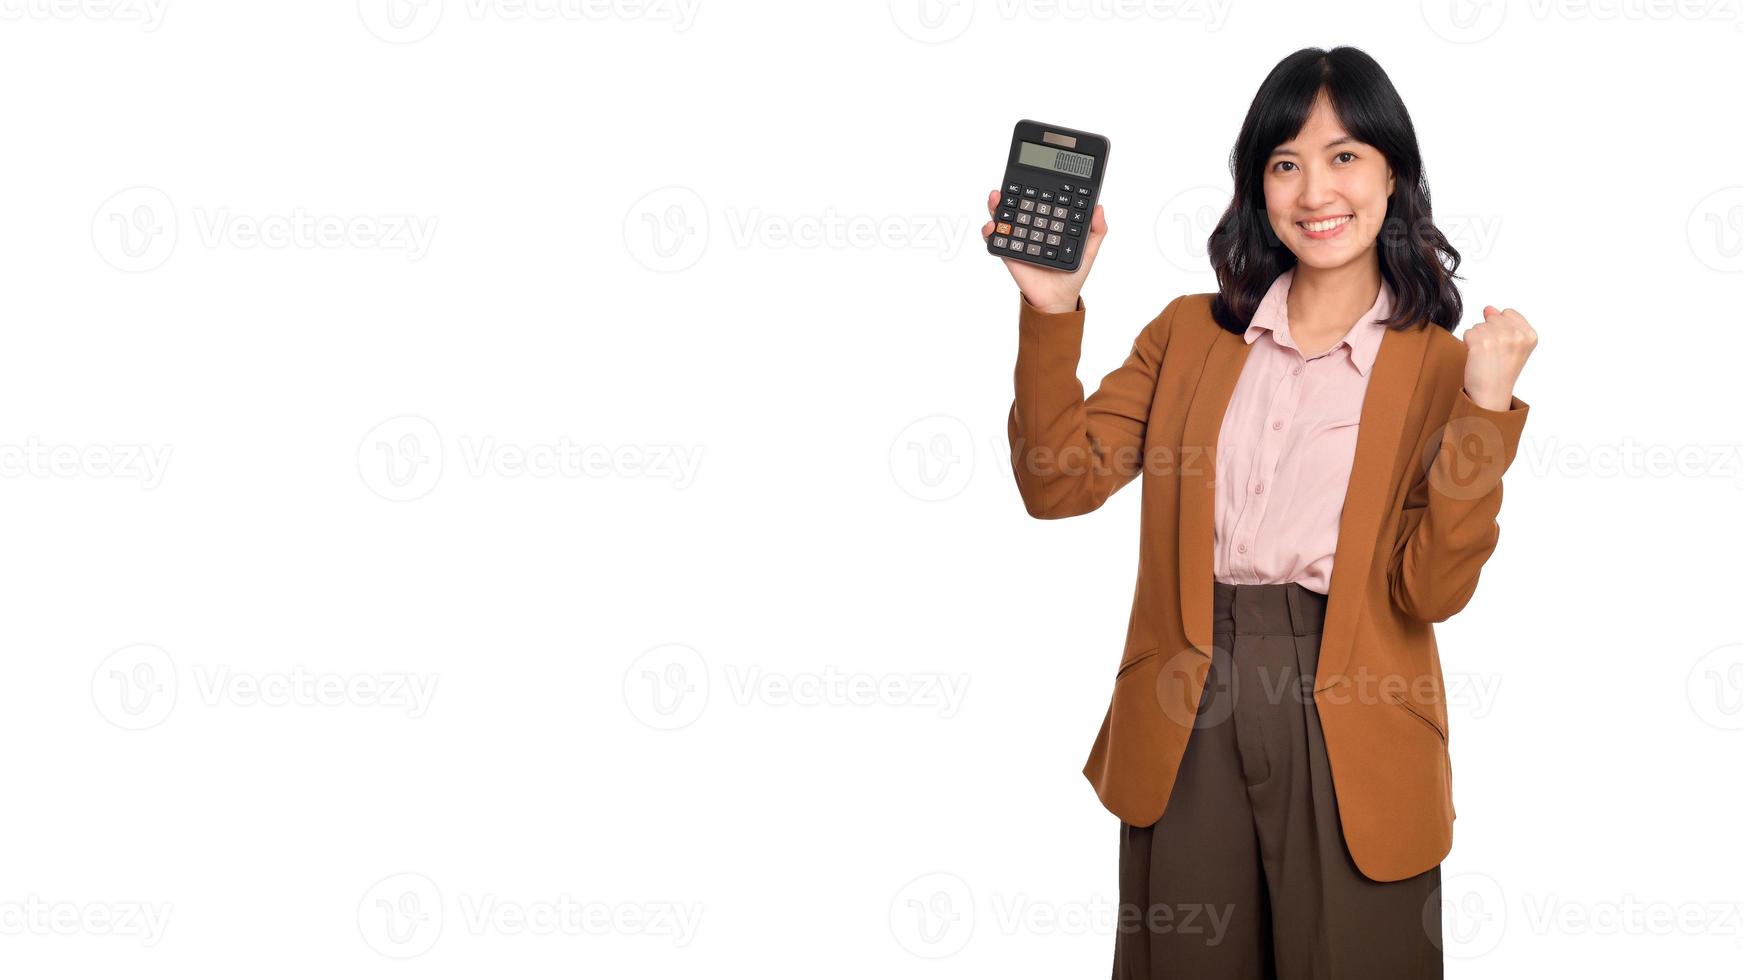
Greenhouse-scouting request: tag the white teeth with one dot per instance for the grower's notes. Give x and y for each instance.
(1324, 225)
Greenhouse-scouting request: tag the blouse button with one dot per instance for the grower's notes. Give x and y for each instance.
(1276, 425)
(1241, 548)
(1259, 488)
(1297, 369)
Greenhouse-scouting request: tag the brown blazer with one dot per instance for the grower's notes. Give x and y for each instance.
(1418, 523)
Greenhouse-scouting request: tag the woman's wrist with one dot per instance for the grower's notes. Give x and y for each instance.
(1053, 307)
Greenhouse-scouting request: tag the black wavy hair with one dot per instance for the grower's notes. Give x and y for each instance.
(1416, 260)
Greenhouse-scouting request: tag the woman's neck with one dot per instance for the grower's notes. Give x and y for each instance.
(1325, 303)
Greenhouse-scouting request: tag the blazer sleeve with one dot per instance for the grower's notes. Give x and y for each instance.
(1449, 527)
(1070, 454)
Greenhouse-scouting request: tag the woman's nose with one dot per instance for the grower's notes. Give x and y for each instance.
(1315, 189)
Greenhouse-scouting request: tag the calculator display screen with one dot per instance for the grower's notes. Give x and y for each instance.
(1055, 159)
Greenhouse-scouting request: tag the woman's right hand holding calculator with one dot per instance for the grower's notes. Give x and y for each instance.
(1051, 290)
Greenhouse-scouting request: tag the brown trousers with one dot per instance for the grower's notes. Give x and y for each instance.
(1246, 875)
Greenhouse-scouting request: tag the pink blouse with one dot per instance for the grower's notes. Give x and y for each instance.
(1286, 447)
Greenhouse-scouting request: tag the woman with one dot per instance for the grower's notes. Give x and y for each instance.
(1322, 462)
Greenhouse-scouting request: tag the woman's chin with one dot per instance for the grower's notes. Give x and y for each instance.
(1323, 255)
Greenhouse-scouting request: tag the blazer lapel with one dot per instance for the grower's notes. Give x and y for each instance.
(1391, 386)
(1198, 444)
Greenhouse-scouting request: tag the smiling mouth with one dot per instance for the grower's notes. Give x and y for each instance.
(1326, 225)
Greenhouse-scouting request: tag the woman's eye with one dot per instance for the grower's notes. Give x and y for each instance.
(1346, 153)
(1283, 163)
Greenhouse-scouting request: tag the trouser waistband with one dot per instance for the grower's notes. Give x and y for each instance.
(1287, 608)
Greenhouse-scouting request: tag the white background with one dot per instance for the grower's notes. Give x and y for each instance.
(726, 258)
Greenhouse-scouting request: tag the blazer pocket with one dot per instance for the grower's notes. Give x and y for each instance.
(1135, 660)
(1414, 712)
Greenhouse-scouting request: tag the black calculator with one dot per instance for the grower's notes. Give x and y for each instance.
(1052, 180)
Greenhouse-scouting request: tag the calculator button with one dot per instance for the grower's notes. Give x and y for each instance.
(1075, 231)
(1018, 188)
(1050, 253)
(1068, 250)
(1022, 217)
(1010, 201)
(1000, 242)
(1028, 192)
(1016, 246)
(1065, 187)
(1020, 233)
(1034, 250)
(1080, 203)
(1055, 226)
(1043, 209)
(1046, 195)
(1006, 214)
(1077, 217)
(1026, 204)
(1003, 229)
(1052, 239)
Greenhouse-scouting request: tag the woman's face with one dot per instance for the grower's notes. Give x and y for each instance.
(1326, 193)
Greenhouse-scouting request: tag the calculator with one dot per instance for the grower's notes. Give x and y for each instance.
(1052, 180)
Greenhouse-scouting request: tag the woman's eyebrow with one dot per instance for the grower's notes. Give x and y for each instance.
(1280, 152)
